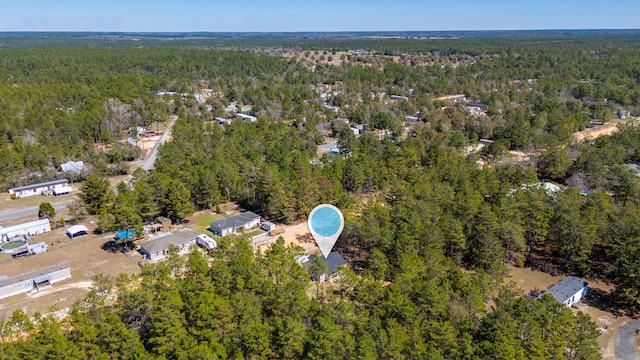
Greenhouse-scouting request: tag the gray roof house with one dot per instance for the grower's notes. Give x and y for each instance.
(334, 261)
(232, 224)
(158, 248)
(569, 290)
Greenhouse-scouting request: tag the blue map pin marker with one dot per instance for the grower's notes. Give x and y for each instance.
(325, 224)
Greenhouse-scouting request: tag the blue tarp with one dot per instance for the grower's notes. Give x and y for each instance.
(124, 234)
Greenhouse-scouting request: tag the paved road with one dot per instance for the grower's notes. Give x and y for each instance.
(31, 210)
(148, 163)
(626, 348)
(327, 147)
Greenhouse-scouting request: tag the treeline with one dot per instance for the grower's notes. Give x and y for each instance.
(242, 306)
(57, 102)
(426, 196)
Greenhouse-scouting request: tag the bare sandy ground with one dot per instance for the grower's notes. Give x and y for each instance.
(297, 234)
(607, 129)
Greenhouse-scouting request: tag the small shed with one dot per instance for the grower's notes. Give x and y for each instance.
(165, 222)
(37, 248)
(268, 226)
(77, 230)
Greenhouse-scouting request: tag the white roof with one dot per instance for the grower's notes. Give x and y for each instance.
(72, 166)
(75, 229)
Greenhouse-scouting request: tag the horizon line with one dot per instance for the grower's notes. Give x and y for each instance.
(307, 31)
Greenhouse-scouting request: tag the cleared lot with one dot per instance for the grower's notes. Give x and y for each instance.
(86, 258)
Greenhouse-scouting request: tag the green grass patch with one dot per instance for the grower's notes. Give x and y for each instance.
(203, 221)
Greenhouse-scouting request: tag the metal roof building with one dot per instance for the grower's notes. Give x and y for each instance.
(230, 225)
(158, 248)
(569, 290)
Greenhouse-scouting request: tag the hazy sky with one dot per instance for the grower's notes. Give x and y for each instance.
(326, 15)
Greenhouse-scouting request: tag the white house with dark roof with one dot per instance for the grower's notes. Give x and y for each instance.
(232, 224)
(158, 248)
(569, 290)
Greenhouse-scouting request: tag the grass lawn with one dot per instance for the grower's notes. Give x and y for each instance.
(203, 220)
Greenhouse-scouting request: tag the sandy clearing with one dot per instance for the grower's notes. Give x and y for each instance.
(297, 234)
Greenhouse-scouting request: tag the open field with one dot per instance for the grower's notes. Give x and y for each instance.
(86, 258)
(608, 322)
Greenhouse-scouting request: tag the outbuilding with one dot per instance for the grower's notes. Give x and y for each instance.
(165, 222)
(246, 117)
(569, 290)
(77, 230)
(268, 226)
(233, 224)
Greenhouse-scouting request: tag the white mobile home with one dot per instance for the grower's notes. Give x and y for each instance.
(44, 188)
(230, 225)
(29, 229)
(34, 280)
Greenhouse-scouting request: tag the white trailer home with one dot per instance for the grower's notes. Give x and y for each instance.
(34, 280)
(44, 188)
(27, 229)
